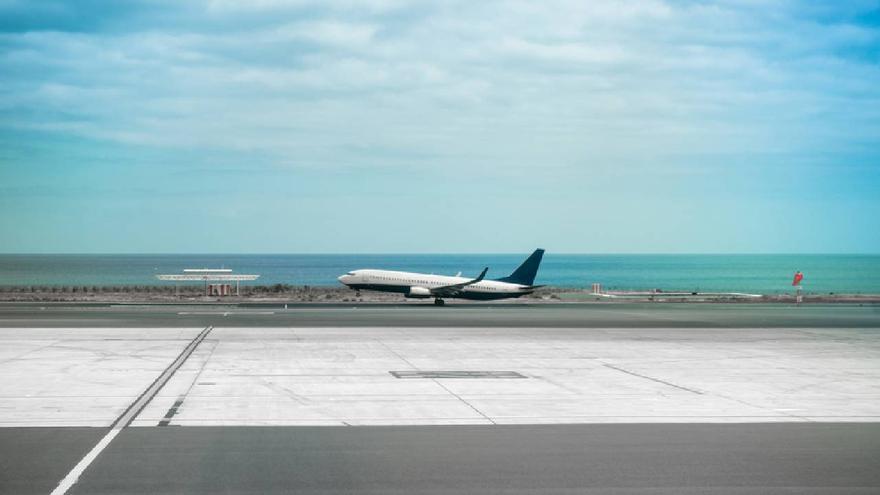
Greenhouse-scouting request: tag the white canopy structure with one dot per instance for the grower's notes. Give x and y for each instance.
(207, 275)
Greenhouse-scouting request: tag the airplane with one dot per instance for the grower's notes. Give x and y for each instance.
(426, 286)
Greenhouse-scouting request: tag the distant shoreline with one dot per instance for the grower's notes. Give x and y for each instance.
(281, 293)
(759, 274)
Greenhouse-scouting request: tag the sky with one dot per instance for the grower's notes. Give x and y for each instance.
(270, 126)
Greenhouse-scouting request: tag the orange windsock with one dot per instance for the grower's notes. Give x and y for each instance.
(798, 276)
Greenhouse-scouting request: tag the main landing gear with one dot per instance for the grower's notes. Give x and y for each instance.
(439, 302)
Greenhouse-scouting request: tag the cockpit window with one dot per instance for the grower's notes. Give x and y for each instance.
(350, 273)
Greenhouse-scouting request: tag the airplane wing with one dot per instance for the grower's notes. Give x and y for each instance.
(451, 290)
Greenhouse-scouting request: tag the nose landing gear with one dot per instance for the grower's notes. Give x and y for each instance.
(439, 302)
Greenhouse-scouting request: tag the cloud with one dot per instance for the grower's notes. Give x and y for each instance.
(339, 34)
(592, 87)
(569, 53)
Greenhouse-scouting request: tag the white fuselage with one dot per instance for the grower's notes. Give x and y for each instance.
(419, 284)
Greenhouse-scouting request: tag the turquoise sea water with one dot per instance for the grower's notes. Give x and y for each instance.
(764, 274)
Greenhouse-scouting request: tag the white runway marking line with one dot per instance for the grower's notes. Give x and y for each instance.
(74, 474)
(224, 313)
(129, 414)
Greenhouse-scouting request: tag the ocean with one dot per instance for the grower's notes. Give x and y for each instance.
(761, 274)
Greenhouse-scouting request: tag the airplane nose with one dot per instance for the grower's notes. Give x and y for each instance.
(342, 279)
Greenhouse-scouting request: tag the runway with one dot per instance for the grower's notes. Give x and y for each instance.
(454, 314)
(633, 399)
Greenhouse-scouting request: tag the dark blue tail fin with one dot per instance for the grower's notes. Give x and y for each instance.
(526, 272)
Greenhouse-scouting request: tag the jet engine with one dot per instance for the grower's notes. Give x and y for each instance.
(418, 292)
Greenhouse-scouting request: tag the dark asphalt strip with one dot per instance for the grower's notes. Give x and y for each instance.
(33, 459)
(618, 315)
(815, 458)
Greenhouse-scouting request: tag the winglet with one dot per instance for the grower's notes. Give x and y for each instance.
(482, 275)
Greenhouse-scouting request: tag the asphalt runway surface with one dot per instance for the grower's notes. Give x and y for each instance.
(569, 315)
(732, 458)
(613, 459)
(34, 460)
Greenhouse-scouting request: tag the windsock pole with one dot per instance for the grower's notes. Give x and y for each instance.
(798, 276)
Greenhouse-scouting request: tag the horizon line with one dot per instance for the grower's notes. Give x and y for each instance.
(370, 253)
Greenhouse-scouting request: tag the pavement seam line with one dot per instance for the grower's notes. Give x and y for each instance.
(450, 392)
(464, 401)
(646, 377)
(130, 413)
